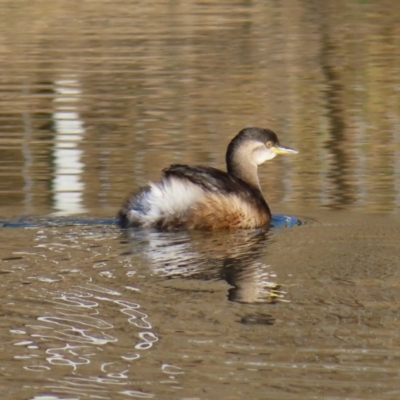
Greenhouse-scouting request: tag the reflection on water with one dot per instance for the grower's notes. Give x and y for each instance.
(97, 97)
(156, 85)
(72, 326)
(234, 257)
(91, 312)
(67, 185)
(86, 330)
(74, 333)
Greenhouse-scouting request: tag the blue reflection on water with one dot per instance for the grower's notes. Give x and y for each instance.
(284, 221)
(278, 221)
(28, 222)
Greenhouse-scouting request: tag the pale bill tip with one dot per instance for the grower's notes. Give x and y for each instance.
(284, 150)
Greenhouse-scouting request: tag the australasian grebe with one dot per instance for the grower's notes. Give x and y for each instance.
(195, 197)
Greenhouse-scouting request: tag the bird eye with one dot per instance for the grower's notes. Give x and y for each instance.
(269, 144)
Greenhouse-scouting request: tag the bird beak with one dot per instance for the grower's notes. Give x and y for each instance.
(278, 149)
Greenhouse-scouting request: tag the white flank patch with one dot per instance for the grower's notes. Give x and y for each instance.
(166, 199)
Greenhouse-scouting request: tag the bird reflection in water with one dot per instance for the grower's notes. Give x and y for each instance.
(232, 256)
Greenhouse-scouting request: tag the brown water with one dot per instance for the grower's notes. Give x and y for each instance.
(96, 97)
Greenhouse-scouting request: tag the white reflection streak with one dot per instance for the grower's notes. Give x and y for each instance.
(83, 391)
(95, 379)
(60, 358)
(148, 339)
(82, 335)
(36, 368)
(74, 301)
(69, 129)
(96, 288)
(136, 316)
(119, 375)
(85, 320)
(171, 369)
(138, 395)
(70, 332)
(131, 357)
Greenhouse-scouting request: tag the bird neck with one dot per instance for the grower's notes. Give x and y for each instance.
(244, 170)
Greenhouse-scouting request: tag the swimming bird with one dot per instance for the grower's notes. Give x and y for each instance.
(197, 197)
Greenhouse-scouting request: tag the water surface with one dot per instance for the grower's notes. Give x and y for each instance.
(97, 97)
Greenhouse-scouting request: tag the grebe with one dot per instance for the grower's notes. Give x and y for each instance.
(196, 197)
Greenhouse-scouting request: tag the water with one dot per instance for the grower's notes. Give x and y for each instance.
(96, 98)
